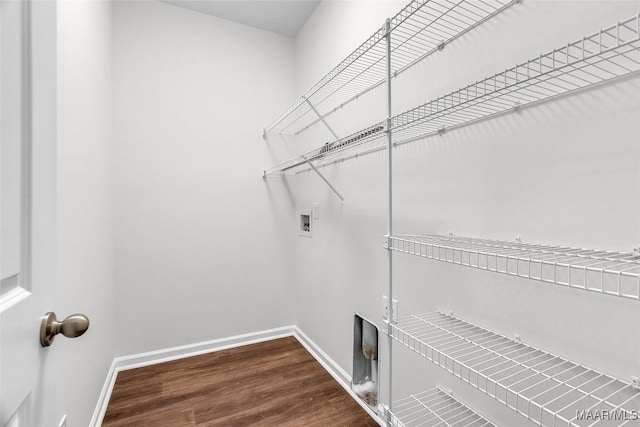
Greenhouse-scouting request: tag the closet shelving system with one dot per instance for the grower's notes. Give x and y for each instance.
(420, 29)
(600, 57)
(545, 388)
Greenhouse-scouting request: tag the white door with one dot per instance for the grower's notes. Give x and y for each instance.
(27, 209)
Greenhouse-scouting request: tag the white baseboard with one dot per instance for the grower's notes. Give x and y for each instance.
(159, 356)
(105, 395)
(339, 374)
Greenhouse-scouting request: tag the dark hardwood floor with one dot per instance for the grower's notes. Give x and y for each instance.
(274, 383)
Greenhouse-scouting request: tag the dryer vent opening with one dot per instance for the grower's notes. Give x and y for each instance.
(365, 360)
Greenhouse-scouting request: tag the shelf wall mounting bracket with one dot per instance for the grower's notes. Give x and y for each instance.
(390, 314)
(321, 118)
(325, 180)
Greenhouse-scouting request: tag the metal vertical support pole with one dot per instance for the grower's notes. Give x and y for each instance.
(389, 223)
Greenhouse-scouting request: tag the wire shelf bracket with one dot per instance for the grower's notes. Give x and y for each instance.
(543, 387)
(326, 181)
(304, 160)
(320, 117)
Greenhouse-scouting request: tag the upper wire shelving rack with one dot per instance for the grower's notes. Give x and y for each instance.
(419, 29)
(611, 53)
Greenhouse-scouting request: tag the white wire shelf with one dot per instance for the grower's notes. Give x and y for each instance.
(545, 388)
(610, 53)
(606, 55)
(419, 29)
(605, 272)
(331, 150)
(434, 408)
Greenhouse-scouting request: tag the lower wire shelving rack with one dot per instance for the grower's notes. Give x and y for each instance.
(605, 272)
(433, 408)
(546, 389)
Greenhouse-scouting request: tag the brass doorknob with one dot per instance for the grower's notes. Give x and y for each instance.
(71, 327)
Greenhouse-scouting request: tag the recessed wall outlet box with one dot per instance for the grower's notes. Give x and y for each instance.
(316, 210)
(305, 225)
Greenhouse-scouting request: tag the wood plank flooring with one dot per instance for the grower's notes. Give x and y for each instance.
(274, 383)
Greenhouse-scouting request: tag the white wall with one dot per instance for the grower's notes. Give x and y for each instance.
(85, 206)
(564, 173)
(203, 247)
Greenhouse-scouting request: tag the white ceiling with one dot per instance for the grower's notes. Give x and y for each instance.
(284, 17)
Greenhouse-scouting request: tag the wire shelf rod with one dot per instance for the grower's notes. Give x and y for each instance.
(494, 94)
(595, 405)
(480, 88)
(432, 412)
(517, 247)
(548, 370)
(539, 385)
(435, 407)
(619, 408)
(500, 356)
(602, 56)
(488, 15)
(361, 50)
(502, 379)
(604, 272)
(492, 104)
(418, 29)
(380, 76)
(347, 143)
(545, 390)
(547, 259)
